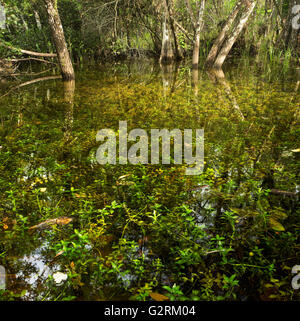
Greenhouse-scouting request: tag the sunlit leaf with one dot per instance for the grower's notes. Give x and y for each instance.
(276, 226)
(158, 297)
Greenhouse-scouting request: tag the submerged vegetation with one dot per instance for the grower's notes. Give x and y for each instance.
(139, 230)
(72, 229)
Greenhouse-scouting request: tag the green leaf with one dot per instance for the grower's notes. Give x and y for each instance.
(276, 226)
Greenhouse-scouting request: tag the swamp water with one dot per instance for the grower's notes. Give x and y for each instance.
(136, 229)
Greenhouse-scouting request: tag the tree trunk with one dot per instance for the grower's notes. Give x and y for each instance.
(199, 27)
(234, 35)
(2, 16)
(292, 35)
(65, 62)
(167, 55)
(220, 39)
(169, 6)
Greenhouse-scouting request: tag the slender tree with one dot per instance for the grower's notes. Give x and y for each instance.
(249, 7)
(199, 27)
(167, 53)
(57, 31)
(169, 4)
(221, 37)
(292, 30)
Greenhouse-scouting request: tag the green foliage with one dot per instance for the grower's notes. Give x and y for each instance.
(113, 30)
(139, 230)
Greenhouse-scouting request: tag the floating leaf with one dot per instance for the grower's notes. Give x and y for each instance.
(158, 297)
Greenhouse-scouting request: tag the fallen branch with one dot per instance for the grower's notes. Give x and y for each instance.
(285, 193)
(35, 59)
(30, 53)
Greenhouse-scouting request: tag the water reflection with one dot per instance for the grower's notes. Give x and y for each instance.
(237, 152)
(30, 82)
(69, 90)
(195, 80)
(217, 76)
(35, 271)
(170, 75)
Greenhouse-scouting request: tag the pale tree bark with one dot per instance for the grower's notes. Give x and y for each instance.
(37, 20)
(2, 16)
(292, 28)
(221, 37)
(167, 54)
(57, 31)
(199, 28)
(234, 35)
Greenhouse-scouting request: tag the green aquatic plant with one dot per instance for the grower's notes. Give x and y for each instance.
(139, 230)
